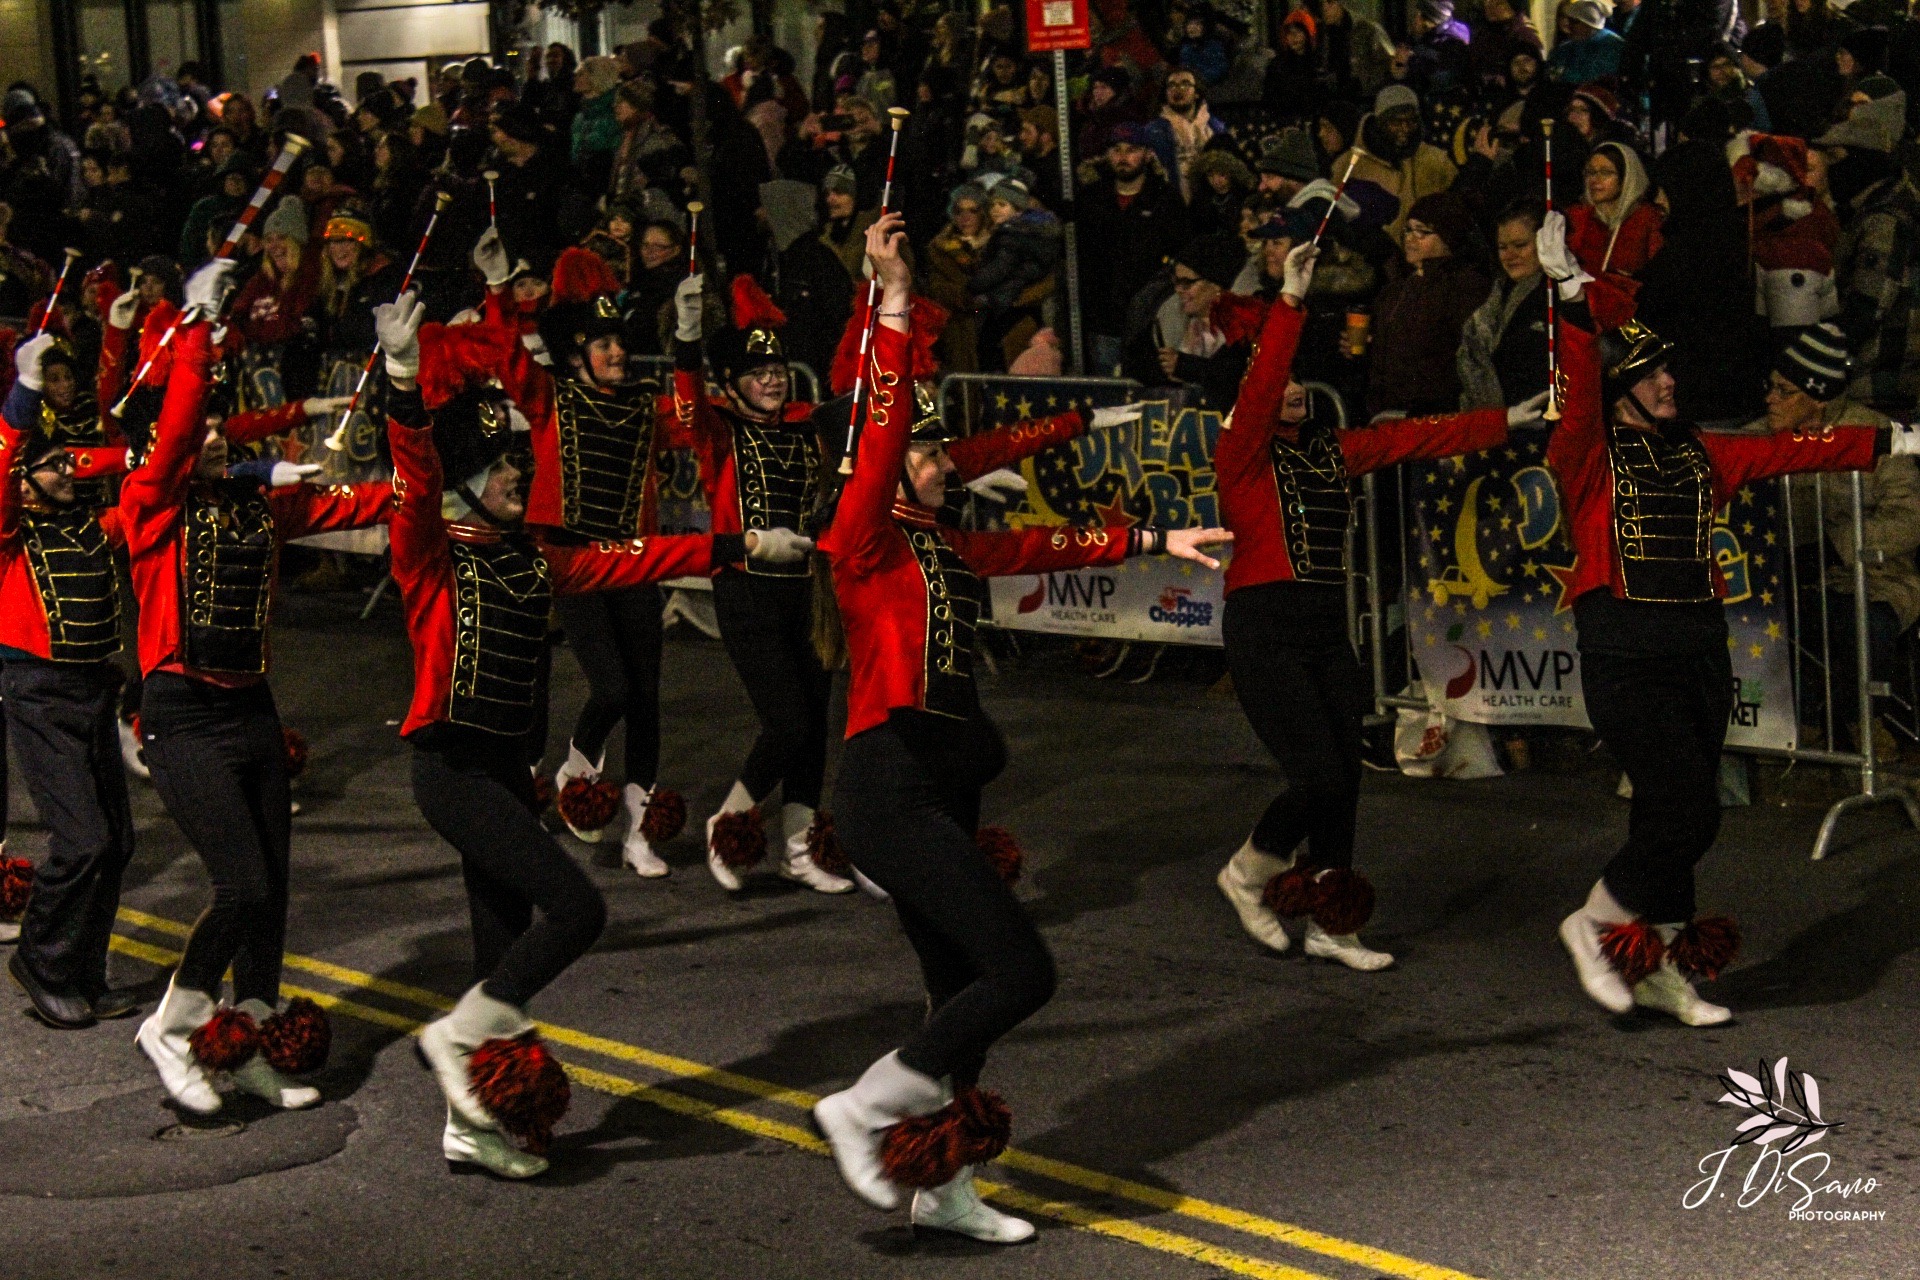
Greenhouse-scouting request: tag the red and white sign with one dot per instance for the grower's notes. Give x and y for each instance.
(1058, 24)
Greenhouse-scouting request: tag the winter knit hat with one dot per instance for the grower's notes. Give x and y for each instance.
(1816, 361)
(1289, 154)
(1449, 217)
(289, 219)
(1217, 256)
(1395, 97)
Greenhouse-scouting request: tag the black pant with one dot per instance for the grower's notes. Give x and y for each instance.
(219, 762)
(766, 625)
(66, 731)
(1664, 718)
(906, 805)
(474, 789)
(1306, 697)
(616, 637)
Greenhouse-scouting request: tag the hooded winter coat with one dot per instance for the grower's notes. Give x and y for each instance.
(1419, 169)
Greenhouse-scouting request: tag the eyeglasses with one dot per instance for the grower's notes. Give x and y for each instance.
(1415, 229)
(61, 461)
(1183, 283)
(769, 373)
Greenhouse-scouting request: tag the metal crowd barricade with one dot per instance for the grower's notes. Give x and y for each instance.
(1816, 607)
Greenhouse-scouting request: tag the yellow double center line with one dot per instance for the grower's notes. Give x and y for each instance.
(1333, 1247)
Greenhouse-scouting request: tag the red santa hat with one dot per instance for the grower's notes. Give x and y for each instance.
(1772, 165)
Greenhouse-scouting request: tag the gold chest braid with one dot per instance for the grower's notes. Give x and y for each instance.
(1662, 515)
(72, 564)
(226, 580)
(954, 597)
(1316, 504)
(776, 474)
(502, 592)
(79, 427)
(606, 458)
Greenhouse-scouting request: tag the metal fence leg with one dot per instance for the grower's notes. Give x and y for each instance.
(373, 601)
(1899, 794)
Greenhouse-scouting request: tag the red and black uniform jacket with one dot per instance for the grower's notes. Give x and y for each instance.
(477, 598)
(1639, 505)
(59, 595)
(205, 554)
(910, 589)
(1286, 492)
(976, 455)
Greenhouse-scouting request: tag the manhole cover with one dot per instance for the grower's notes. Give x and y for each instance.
(197, 1132)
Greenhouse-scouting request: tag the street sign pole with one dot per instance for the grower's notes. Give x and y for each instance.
(1076, 330)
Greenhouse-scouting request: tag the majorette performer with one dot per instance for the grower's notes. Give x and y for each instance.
(59, 632)
(477, 588)
(1285, 481)
(907, 802)
(761, 464)
(1639, 487)
(594, 437)
(204, 550)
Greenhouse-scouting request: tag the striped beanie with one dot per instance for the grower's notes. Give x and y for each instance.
(1816, 361)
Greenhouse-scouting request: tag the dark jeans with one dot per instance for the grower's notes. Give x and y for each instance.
(1664, 718)
(616, 636)
(474, 789)
(65, 730)
(1306, 697)
(906, 805)
(219, 762)
(766, 625)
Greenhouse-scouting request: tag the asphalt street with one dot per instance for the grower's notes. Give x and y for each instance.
(1188, 1106)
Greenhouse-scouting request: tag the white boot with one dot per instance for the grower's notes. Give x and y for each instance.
(578, 766)
(737, 801)
(1344, 947)
(957, 1207)
(635, 851)
(1668, 990)
(163, 1038)
(130, 753)
(853, 1120)
(463, 1143)
(796, 863)
(257, 1077)
(446, 1042)
(1580, 934)
(869, 888)
(1243, 880)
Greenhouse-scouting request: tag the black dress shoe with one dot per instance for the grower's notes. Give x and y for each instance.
(111, 1004)
(68, 1013)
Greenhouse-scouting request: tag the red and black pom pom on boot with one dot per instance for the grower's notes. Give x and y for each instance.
(297, 1039)
(296, 748)
(588, 804)
(16, 886)
(522, 1086)
(1004, 853)
(823, 846)
(930, 1150)
(1339, 900)
(666, 816)
(544, 793)
(736, 840)
(1633, 948)
(1291, 893)
(1706, 946)
(225, 1041)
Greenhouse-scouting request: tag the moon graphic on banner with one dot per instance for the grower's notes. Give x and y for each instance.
(1466, 577)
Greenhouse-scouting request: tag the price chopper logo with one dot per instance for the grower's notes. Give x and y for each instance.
(1783, 1118)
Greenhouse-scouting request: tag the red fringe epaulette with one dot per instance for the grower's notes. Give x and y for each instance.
(823, 846)
(666, 816)
(1238, 318)
(522, 1086)
(930, 1150)
(1634, 949)
(16, 886)
(1003, 852)
(297, 1039)
(926, 322)
(581, 275)
(453, 357)
(739, 839)
(296, 747)
(588, 804)
(752, 308)
(1706, 946)
(225, 1041)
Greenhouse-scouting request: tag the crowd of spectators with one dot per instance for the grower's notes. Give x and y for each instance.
(1735, 186)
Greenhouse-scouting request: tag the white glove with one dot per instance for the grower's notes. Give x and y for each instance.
(286, 473)
(1296, 276)
(1115, 415)
(207, 288)
(26, 360)
(779, 546)
(1528, 410)
(1002, 485)
(490, 255)
(323, 406)
(688, 305)
(1906, 439)
(120, 314)
(397, 325)
(1550, 244)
